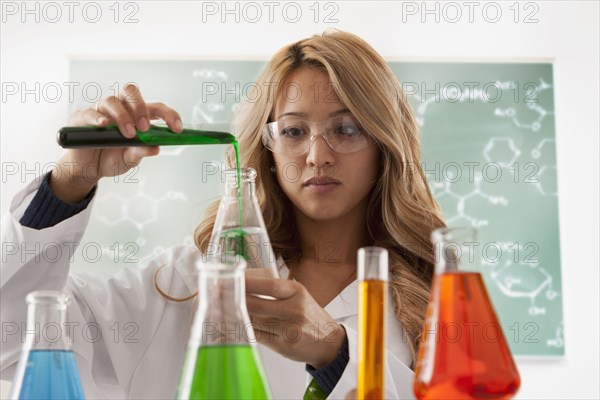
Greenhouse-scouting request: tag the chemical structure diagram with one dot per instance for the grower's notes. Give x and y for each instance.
(139, 209)
(500, 150)
(477, 94)
(444, 188)
(142, 209)
(546, 176)
(532, 93)
(514, 277)
(158, 250)
(558, 340)
(212, 112)
(525, 278)
(519, 275)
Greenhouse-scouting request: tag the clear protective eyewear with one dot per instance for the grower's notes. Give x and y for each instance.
(292, 136)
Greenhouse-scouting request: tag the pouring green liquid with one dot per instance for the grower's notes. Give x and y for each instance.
(73, 137)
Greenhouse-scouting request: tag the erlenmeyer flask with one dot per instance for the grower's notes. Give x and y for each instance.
(239, 228)
(221, 360)
(463, 353)
(47, 367)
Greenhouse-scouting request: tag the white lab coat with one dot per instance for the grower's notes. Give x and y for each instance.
(129, 342)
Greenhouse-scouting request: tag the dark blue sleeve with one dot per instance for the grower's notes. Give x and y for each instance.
(46, 210)
(328, 376)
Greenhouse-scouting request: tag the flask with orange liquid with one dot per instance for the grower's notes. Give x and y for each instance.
(463, 353)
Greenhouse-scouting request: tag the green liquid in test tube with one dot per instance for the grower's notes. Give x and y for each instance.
(72, 137)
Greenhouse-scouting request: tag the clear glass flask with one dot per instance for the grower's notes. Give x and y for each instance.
(372, 303)
(47, 367)
(221, 360)
(239, 228)
(463, 353)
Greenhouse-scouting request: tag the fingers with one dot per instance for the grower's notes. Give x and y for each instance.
(267, 330)
(112, 107)
(170, 116)
(133, 102)
(289, 300)
(132, 156)
(265, 308)
(88, 116)
(277, 288)
(129, 111)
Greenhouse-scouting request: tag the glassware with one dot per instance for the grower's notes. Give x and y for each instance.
(221, 360)
(73, 137)
(372, 300)
(47, 367)
(463, 353)
(239, 228)
(293, 136)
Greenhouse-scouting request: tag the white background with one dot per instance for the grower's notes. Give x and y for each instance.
(566, 33)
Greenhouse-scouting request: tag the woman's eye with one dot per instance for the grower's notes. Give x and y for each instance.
(348, 130)
(292, 131)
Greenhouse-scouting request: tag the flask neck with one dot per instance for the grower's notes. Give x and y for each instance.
(245, 187)
(222, 317)
(46, 327)
(455, 250)
(236, 212)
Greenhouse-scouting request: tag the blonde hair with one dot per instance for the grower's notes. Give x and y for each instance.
(401, 211)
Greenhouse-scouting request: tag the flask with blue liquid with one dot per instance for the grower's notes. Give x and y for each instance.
(47, 367)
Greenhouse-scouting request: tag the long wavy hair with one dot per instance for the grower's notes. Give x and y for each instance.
(401, 211)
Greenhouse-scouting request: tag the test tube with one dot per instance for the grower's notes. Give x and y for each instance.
(372, 300)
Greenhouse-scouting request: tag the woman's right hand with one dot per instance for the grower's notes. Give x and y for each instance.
(79, 170)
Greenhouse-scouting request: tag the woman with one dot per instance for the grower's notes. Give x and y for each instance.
(327, 108)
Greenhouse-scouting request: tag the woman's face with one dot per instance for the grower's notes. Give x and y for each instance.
(342, 181)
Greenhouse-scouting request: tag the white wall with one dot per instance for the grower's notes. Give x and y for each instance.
(566, 32)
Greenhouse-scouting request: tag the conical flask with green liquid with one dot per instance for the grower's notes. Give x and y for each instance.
(222, 361)
(239, 229)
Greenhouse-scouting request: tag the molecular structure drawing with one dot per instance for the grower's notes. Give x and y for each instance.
(444, 188)
(140, 209)
(558, 341)
(531, 102)
(469, 94)
(546, 142)
(514, 278)
(210, 112)
(520, 276)
(546, 176)
(505, 145)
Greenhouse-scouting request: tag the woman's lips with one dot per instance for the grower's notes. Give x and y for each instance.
(322, 187)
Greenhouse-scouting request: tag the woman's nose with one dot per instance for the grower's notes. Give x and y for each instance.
(319, 152)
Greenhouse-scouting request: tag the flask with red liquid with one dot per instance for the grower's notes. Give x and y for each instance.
(463, 353)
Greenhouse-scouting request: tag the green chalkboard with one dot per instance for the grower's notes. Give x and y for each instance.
(488, 147)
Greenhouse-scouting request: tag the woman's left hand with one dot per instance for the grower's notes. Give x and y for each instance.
(293, 323)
